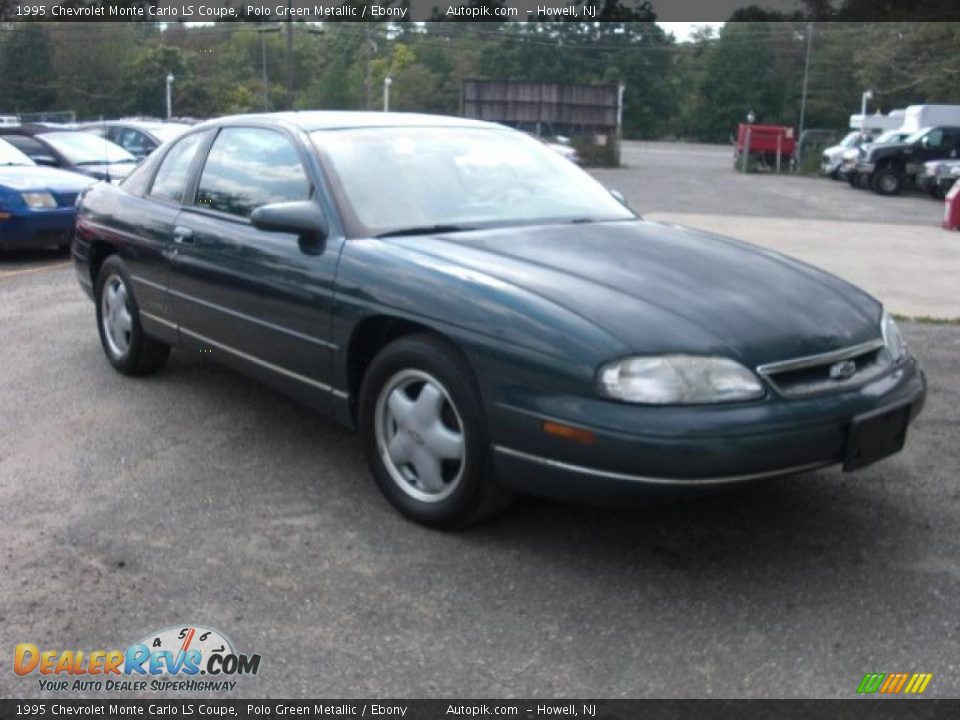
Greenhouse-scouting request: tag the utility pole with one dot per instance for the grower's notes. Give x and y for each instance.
(169, 96)
(806, 78)
(263, 62)
(290, 79)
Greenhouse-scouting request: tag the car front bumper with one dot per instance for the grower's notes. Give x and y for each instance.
(35, 229)
(847, 169)
(686, 449)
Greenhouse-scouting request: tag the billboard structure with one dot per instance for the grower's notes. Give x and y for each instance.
(590, 114)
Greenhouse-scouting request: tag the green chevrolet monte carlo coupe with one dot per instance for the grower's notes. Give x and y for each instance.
(489, 317)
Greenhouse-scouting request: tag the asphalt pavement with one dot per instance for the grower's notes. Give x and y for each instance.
(199, 496)
(893, 247)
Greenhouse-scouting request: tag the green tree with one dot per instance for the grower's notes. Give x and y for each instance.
(143, 87)
(740, 76)
(28, 82)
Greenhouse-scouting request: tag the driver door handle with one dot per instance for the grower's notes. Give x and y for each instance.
(182, 235)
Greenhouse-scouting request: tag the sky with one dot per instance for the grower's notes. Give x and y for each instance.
(682, 30)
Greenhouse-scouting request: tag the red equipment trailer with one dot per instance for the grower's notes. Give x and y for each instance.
(765, 145)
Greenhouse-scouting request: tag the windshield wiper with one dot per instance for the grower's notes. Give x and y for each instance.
(425, 230)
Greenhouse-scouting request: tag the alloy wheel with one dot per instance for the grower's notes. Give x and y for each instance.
(115, 316)
(420, 436)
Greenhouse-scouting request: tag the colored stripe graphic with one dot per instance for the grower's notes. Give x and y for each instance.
(918, 683)
(894, 683)
(871, 682)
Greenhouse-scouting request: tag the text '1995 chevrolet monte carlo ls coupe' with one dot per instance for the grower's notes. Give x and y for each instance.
(487, 315)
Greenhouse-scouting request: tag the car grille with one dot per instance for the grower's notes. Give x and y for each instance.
(67, 199)
(829, 372)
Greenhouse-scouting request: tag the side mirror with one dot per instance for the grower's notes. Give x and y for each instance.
(46, 160)
(303, 218)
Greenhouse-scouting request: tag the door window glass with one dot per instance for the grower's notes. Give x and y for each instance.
(171, 180)
(250, 167)
(934, 138)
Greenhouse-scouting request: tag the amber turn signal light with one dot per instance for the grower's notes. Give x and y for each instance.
(584, 437)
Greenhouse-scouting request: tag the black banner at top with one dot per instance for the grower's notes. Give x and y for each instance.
(476, 10)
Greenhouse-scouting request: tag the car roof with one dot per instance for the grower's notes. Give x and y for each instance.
(35, 129)
(311, 120)
(143, 124)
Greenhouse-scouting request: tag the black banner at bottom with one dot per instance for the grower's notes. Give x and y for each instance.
(854, 709)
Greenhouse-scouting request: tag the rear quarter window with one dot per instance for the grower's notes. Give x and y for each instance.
(170, 182)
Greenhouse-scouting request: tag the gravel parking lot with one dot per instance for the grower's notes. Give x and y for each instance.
(197, 496)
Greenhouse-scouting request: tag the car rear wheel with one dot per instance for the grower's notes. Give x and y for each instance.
(425, 435)
(887, 181)
(126, 346)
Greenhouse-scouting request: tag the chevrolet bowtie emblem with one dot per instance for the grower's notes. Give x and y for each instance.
(843, 370)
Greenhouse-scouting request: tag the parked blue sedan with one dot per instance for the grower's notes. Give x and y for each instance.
(36, 203)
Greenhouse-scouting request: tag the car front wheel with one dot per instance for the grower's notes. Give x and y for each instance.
(887, 181)
(425, 435)
(128, 349)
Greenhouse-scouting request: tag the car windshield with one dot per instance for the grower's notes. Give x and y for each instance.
(889, 136)
(850, 140)
(910, 139)
(403, 178)
(9, 155)
(82, 148)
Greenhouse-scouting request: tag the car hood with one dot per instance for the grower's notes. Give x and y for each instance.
(885, 148)
(835, 151)
(36, 177)
(662, 288)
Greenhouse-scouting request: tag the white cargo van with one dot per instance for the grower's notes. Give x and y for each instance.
(877, 123)
(918, 117)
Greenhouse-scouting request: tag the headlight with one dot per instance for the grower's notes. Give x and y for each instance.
(896, 345)
(678, 380)
(39, 200)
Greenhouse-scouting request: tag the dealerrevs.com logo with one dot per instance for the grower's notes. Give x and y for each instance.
(189, 658)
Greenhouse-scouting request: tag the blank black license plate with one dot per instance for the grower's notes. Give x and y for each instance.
(876, 435)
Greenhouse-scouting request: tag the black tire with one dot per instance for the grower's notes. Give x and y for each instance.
(887, 181)
(853, 179)
(472, 493)
(142, 354)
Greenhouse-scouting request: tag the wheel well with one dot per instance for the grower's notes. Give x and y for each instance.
(99, 251)
(368, 338)
(895, 165)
